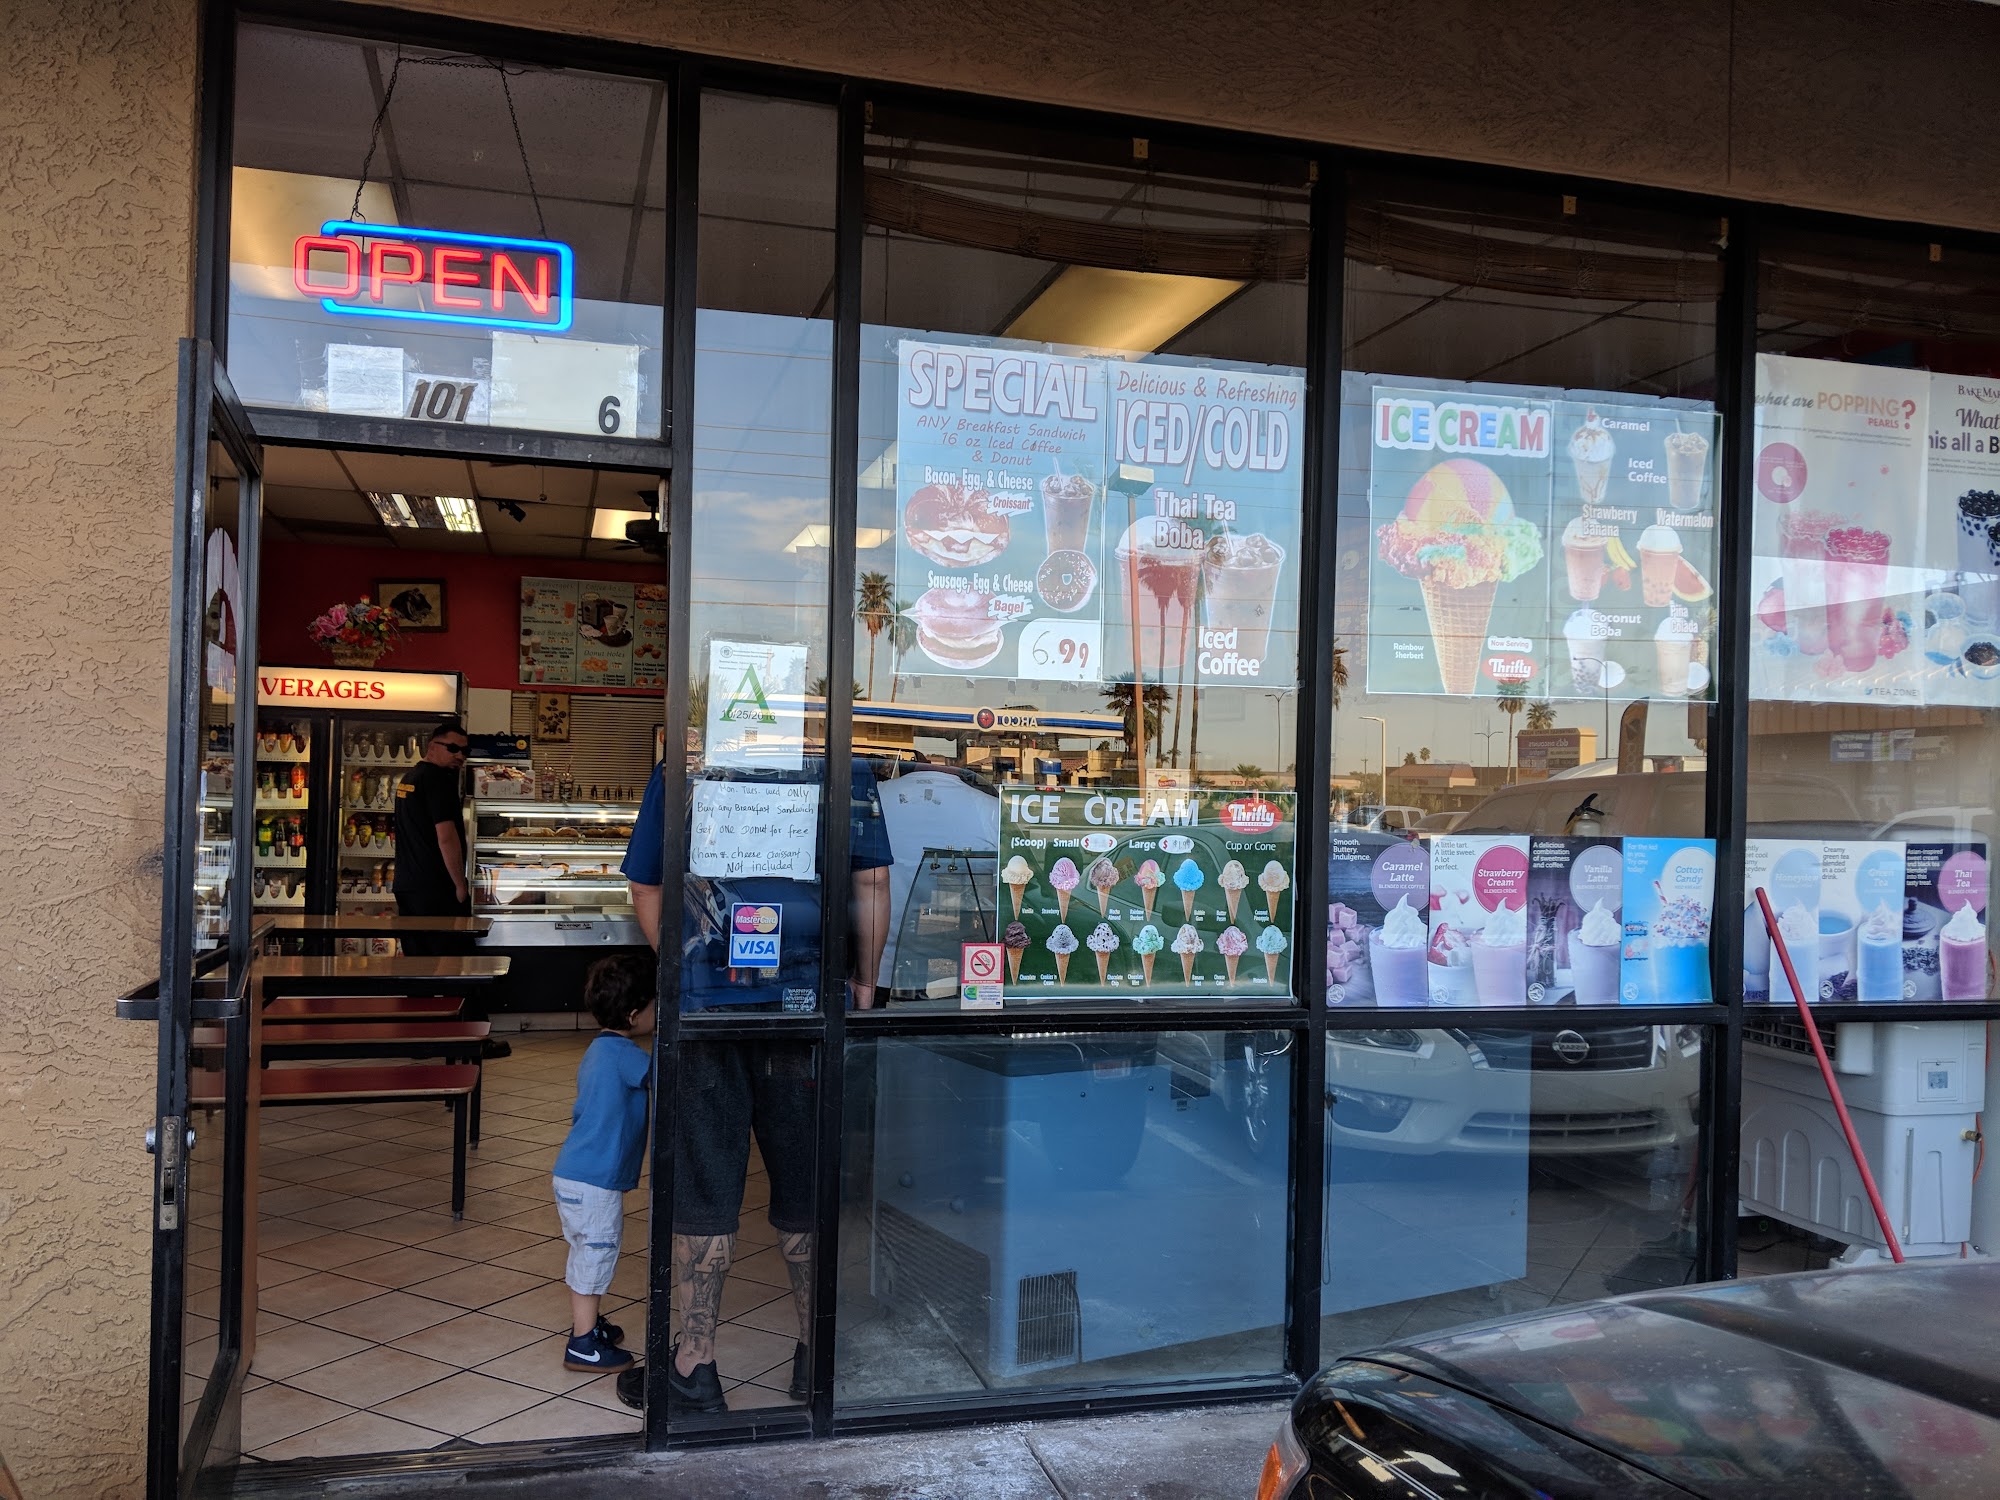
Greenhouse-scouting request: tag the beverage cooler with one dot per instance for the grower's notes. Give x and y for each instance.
(324, 834)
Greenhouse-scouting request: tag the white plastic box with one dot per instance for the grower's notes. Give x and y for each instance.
(1912, 1088)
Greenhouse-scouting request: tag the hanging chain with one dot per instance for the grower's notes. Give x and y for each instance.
(375, 136)
(528, 171)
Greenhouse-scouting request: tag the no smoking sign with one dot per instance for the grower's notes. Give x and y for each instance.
(980, 966)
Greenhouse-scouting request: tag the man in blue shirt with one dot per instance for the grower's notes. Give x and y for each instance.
(732, 1089)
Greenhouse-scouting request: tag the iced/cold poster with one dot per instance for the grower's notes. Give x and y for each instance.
(1575, 938)
(1377, 920)
(1123, 892)
(1839, 510)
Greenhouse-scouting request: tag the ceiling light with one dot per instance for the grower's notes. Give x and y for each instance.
(425, 512)
(1127, 311)
(609, 525)
(822, 536)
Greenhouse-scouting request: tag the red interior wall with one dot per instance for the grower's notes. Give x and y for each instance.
(482, 606)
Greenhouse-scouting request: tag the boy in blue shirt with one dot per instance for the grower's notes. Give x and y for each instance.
(599, 1161)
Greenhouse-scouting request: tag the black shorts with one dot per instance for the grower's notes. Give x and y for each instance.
(728, 1089)
(435, 944)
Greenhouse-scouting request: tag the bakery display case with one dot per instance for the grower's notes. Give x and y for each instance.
(547, 873)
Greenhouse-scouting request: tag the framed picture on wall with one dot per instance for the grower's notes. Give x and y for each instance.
(552, 718)
(418, 602)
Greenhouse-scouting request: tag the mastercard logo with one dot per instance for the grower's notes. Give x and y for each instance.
(755, 919)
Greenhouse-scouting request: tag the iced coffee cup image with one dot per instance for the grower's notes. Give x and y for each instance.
(1878, 963)
(1590, 453)
(1673, 654)
(1157, 566)
(1962, 956)
(1240, 589)
(1397, 957)
(1066, 503)
(1687, 469)
(1500, 958)
(1594, 952)
(1659, 564)
(1458, 538)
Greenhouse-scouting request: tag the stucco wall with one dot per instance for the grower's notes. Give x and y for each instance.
(1877, 107)
(1866, 105)
(97, 118)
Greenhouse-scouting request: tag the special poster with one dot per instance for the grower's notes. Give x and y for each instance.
(576, 632)
(1549, 543)
(1075, 518)
(1124, 893)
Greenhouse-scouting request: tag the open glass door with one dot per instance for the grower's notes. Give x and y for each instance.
(202, 1331)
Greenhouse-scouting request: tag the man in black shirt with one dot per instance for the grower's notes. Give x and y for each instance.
(430, 840)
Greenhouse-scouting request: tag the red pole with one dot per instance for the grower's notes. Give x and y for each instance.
(1832, 1088)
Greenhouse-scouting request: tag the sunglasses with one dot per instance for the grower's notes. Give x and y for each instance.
(455, 749)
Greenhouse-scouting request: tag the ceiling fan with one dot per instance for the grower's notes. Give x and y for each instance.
(646, 534)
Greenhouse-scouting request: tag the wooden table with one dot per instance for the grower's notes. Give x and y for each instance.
(323, 975)
(354, 924)
(452, 1041)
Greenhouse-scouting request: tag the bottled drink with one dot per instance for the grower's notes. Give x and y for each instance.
(299, 781)
(264, 836)
(565, 785)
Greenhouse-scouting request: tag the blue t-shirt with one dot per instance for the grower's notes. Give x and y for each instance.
(707, 980)
(607, 1128)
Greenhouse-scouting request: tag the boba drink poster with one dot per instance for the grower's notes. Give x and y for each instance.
(1669, 907)
(1576, 892)
(1377, 920)
(1076, 518)
(1121, 893)
(1839, 517)
(1479, 921)
(1944, 921)
(1632, 548)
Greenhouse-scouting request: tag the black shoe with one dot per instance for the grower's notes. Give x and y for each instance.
(609, 1331)
(801, 1386)
(491, 1048)
(632, 1388)
(700, 1390)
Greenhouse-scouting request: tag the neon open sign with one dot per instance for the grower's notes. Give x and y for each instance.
(436, 276)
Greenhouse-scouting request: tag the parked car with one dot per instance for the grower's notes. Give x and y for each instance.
(1437, 822)
(1666, 803)
(1377, 818)
(1865, 1383)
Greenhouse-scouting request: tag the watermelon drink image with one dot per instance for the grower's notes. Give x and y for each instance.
(1459, 538)
(1857, 570)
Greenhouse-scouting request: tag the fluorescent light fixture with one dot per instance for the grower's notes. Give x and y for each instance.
(1128, 311)
(425, 512)
(822, 536)
(609, 525)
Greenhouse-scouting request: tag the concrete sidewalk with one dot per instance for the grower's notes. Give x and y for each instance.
(1197, 1453)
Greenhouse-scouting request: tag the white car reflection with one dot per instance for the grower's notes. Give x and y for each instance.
(1593, 1090)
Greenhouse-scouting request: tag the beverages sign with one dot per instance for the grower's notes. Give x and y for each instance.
(340, 688)
(436, 276)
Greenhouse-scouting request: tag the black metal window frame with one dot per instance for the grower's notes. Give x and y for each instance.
(686, 77)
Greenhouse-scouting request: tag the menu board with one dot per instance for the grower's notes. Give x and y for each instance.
(1077, 518)
(1116, 893)
(1552, 543)
(580, 633)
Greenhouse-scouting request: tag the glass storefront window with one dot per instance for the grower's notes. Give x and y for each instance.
(1875, 621)
(1044, 1210)
(1082, 457)
(445, 237)
(1527, 544)
(1473, 1172)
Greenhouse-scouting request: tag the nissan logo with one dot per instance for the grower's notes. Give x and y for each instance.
(1570, 1046)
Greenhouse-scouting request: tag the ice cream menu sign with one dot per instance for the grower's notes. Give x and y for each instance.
(1075, 518)
(1876, 572)
(579, 633)
(1125, 894)
(1561, 545)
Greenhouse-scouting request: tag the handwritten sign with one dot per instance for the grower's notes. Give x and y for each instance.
(741, 829)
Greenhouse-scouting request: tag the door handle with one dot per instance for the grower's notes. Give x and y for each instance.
(153, 1139)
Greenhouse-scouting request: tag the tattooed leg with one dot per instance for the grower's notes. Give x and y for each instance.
(701, 1266)
(798, 1252)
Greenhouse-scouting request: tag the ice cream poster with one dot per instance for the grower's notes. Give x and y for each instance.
(1944, 921)
(1121, 893)
(1861, 921)
(1076, 518)
(1788, 872)
(1632, 552)
(1377, 920)
(1479, 922)
(1576, 892)
(1838, 574)
(1669, 903)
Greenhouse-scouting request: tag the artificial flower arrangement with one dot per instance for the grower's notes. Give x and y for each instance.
(357, 634)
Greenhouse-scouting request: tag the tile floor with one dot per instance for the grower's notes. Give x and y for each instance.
(383, 1326)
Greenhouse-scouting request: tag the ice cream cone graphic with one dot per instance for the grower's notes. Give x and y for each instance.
(1270, 968)
(1187, 906)
(1103, 962)
(1151, 895)
(1062, 968)
(1459, 617)
(1018, 891)
(1146, 965)
(1231, 960)
(1103, 901)
(1013, 965)
(1187, 968)
(1271, 904)
(1062, 906)
(1235, 899)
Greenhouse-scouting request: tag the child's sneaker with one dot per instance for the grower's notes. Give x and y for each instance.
(594, 1352)
(609, 1331)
